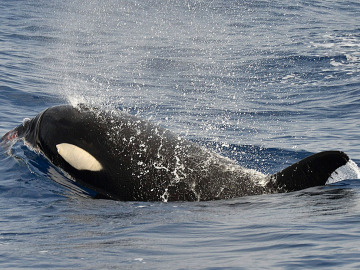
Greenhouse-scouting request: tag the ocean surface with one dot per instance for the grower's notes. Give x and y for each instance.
(266, 83)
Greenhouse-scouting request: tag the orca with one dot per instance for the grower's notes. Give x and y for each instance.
(123, 157)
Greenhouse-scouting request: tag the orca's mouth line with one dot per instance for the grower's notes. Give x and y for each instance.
(28, 130)
(9, 139)
(10, 136)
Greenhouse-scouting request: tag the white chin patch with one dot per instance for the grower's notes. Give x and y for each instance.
(349, 171)
(78, 157)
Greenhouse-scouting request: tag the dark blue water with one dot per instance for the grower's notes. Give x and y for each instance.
(263, 82)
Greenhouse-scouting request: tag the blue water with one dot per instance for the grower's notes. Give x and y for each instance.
(266, 83)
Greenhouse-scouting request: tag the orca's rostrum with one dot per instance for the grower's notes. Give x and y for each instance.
(123, 157)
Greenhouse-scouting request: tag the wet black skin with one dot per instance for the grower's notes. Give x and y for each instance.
(142, 161)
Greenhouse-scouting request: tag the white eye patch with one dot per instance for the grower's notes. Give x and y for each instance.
(78, 157)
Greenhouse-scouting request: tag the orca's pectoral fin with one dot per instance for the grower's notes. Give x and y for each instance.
(312, 171)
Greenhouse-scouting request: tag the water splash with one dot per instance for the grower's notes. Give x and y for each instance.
(349, 171)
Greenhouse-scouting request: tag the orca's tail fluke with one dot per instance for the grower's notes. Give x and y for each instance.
(312, 171)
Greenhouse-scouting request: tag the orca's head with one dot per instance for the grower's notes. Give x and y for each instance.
(71, 138)
(63, 134)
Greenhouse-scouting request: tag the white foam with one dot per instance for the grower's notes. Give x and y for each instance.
(349, 171)
(76, 100)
